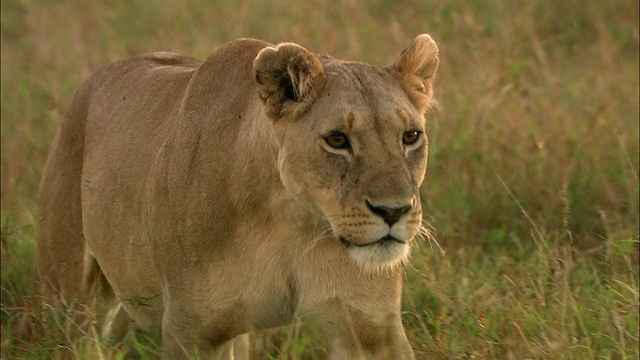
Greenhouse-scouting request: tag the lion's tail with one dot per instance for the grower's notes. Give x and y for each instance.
(61, 243)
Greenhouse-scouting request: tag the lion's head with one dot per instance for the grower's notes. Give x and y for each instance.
(352, 141)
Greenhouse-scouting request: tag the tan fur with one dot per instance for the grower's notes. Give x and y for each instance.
(206, 201)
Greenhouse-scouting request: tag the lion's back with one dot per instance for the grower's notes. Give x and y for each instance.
(138, 93)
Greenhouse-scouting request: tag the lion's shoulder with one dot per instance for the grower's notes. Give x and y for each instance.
(225, 78)
(163, 58)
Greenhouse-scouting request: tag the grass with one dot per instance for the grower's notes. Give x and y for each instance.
(532, 185)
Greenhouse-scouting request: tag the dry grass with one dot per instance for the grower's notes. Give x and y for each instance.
(532, 184)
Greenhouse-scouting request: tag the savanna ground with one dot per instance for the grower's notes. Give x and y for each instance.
(532, 185)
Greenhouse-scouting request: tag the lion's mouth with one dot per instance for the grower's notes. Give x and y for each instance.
(385, 241)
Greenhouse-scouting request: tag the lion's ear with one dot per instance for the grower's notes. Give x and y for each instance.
(416, 68)
(288, 78)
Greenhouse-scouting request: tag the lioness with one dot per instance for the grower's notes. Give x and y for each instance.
(213, 198)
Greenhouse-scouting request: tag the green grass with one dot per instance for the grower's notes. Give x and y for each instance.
(532, 185)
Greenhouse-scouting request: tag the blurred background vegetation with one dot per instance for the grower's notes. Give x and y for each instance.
(532, 185)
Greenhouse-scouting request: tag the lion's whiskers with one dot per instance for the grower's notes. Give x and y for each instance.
(426, 233)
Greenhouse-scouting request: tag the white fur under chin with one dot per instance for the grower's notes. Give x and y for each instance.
(381, 257)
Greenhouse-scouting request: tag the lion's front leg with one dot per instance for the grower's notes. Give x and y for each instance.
(363, 331)
(355, 348)
(357, 308)
(179, 344)
(187, 334)
(186, 346)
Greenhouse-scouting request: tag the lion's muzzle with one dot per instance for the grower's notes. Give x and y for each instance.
(378, 236)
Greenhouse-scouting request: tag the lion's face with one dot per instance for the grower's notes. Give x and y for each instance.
(357, 151)
(360, 162)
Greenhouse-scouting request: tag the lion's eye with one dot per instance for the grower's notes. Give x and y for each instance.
(410, 137)
(337, 140)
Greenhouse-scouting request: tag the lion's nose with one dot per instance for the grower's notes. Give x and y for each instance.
(390, 215)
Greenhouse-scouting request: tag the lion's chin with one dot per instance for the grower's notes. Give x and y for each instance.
(379, 255)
